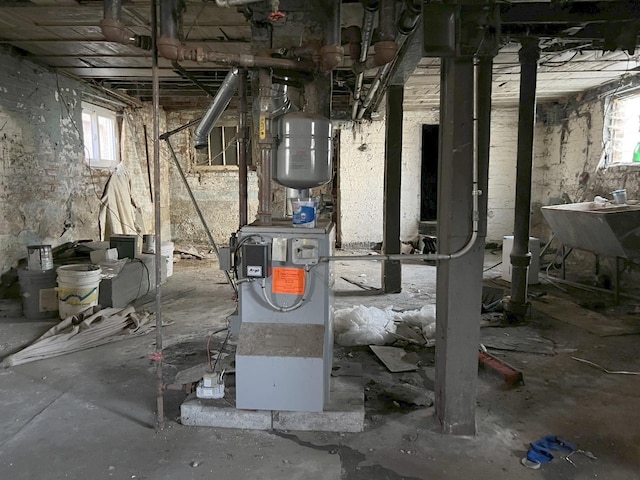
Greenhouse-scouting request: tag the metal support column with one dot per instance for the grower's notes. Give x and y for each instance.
(520, 256)
(392, 270)
(459, 280)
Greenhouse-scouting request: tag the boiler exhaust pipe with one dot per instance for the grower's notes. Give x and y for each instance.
(218, 105)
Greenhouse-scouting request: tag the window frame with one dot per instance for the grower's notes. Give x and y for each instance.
(96, 112)
(612, 144)
(211, 156)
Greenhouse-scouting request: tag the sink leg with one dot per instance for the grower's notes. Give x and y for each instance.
(617, 280)
(562, 268)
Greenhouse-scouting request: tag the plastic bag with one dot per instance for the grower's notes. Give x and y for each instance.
(364, 326)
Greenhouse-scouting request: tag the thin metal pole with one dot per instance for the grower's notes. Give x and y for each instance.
(158, 221)
(198, 211)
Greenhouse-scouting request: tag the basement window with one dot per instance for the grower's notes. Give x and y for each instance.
(622, 130)
(100, 136)
(222, 150)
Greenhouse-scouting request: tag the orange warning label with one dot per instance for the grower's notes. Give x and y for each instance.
(288, 281)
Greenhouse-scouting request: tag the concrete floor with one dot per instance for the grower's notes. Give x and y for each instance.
(90, 415)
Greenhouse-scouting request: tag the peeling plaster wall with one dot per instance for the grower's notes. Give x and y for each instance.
(134, 158)
(565, 149)
(46, 191)
(362, 176)
(216, 191)
(48, 194)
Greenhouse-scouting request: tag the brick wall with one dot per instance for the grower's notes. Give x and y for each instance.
(362, 176)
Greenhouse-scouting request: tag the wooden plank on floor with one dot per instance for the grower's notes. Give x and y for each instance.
(568, 312)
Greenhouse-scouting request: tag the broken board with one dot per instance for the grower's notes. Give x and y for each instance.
(393, 358)
(568, 312)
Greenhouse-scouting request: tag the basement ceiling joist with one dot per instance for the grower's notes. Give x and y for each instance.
(65, 35)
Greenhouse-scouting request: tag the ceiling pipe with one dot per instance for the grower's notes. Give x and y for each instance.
(406, 25)
(234, 3)
(218, 105)
(114, 29)
(332, 53)
(370, 8)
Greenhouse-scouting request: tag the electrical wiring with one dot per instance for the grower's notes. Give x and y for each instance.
(224, 344)
(295, 306)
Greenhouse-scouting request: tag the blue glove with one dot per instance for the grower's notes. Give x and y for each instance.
(540, 450)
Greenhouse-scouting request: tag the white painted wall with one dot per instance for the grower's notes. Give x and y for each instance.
(502, 173)
(362, 176)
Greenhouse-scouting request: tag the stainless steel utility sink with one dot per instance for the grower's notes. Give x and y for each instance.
(609, 230)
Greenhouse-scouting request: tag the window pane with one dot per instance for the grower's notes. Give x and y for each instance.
(87, 136)
(107, 136)
(231, 152)
(215, 146)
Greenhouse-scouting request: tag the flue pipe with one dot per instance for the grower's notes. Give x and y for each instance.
(218, 105)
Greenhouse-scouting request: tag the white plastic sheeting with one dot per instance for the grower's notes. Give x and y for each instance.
(362, 325)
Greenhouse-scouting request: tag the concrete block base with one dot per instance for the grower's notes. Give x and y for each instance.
(344, 412)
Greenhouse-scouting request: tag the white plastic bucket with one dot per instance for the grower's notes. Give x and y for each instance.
(304, 213)
(166, 250)
(78, 288)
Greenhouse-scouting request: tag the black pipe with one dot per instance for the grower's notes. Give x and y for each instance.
(529, 55)
(112, 9)
(243, 137)
(387, 20)
(170, 15)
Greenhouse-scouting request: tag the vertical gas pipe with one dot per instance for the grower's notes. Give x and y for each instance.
(265, 141)
(243, 136)
(520, 257)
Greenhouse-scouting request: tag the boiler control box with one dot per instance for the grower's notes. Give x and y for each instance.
(255, 260)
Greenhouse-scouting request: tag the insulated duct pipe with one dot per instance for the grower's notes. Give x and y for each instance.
(114, 30)
(370, 9)
(406, 26)
(218, 105)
